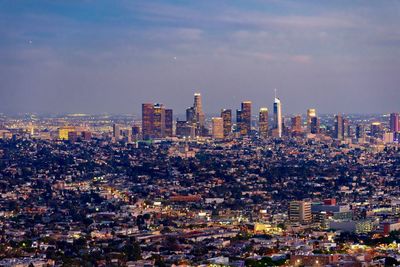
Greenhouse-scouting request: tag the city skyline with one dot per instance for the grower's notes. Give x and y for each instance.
(63, 57)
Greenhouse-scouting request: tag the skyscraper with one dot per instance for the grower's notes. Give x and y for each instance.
(311, 113)
(168, 122)
(263, 123)
(315, 125)
(246, 117)
(147, 120)
(360, 131)
(278, 117)
(158, 121)
(191, 115)
(394, 123)
(296, 124)
(338, 127)
(217, 128)
(198, 108)
(226, 115)
(376, 129)
(239, 121)
(116, 132)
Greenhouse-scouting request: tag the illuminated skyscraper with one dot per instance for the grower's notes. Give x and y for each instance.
(376, 129)
(226, 115)
(394, 123)
(278, 117)
(168, 122)
(116, 132)
(217, 128)
(239, 121)
(243, 118)
(315, 125)
(338, 127)
(191, 115)
(360, 131)
(311, 113)
(296, 124)
(147, 120)
(158, 121)
(198, 108)
(346, 128)
(263, 123)
(246, 117)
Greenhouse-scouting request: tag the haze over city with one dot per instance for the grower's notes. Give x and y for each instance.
(107, 56)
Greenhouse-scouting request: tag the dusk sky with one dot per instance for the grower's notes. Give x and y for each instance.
(111, 56)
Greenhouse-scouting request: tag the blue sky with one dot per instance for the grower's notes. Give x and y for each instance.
(111, 56)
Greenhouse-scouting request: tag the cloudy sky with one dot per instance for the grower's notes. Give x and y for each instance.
(111, 56)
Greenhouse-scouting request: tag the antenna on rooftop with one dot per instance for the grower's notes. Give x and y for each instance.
(275, 92)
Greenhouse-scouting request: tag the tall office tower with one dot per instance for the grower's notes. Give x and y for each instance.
(338, 127)
(239, 121)
(147, 120)
(296, 124)
(226, 115)
(360, 131)
(346, 128)
(311, 113)
(135, 131)
(217, 127)
(263, 123)
(278, 117)
(116, 132)
(168, 122)
(376, 129)
(198, 107)
(158, 121)
(190, 115)
(300, 211)
(315, 125)
(246, 117)
(394, 123)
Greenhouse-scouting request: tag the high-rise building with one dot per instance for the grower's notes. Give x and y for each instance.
(147, 120)
(239, 121)
(338, 127)
(300, 211)
(191, 115)
(158, 121)
(168, 122)
(278, 117)
(346, 128)
(246, 117)
(226, 115)
(263, 123)
(360, 131)
(200, 117)
(217, 128)
(376, 129)
(311, 113)
(243, 118)
(296, 124)
(315, 125)
(116, 132)
(185, 129)
(394, 123)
